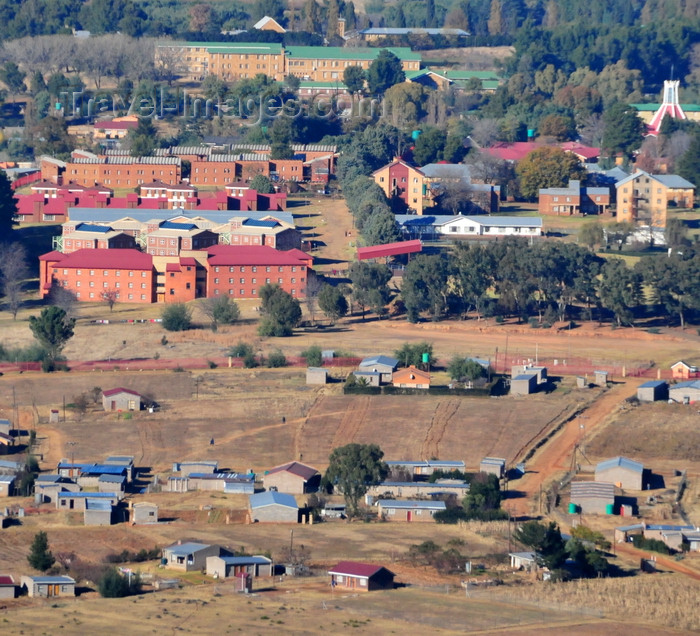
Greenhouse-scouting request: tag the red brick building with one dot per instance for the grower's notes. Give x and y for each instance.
(87, 236)
(239, 272)
(89, 273)
(573, 200)
(180, 282)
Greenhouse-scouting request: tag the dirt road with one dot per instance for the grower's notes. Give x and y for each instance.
(554, 458)
(662, 561)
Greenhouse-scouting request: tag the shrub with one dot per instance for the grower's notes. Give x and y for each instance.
(176, 317)
(211, 364)
(276, 359)
(250, 361)
(241, 350)
(115, 585)
(313, 356)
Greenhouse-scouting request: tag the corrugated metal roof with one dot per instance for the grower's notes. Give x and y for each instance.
(652, 384)
(272, 498)
(295, 468)
(246, 560)
(85, 495)
(411, 504)
(342, 53)
(98, 504)
(592, 489)
(383, 360)
(52, 580)
(112, 479)
(389, 249)
(88, 227)
(619, 462)
(127, 161)
(185, 549)
(353, 568)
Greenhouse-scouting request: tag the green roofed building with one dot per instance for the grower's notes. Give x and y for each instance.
(241, 60)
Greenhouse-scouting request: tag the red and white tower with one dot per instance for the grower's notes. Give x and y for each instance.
(670, 106)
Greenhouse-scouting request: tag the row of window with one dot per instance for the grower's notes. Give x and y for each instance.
(253, 292)
(117, 296)
(254, 268)
(105, 272)
(254, 281)
(117, 285)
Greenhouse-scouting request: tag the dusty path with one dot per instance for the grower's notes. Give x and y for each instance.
(665, 562)
(444, 412)
(555, 457)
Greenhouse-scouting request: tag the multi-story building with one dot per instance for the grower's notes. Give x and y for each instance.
(117, 172)
(90, 273)
(91, 236)
(400, 180)
(575, 199)
(239, 272)
(171, 238)
(645, 198)
(240, 60)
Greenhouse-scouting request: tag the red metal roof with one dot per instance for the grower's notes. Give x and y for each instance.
(116, 125)
(390, 249)
(53, 255)
(353, 568)
(250, 255)
(188, 260)
(107, 259)
(6, 580)
(118, 390)
(587, 152)
(295, 468)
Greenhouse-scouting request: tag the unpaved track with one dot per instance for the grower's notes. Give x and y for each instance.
(665, 562)
(554, 458)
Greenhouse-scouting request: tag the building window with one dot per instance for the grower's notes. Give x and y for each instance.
(77, 283)
(267, 269)
(117, 273)
(255, 269)
(216, 281)
(131, 285)
(92, 272)
(254, 280)
(131, 297)
(267, 280)
(105, 273)
(105, 284)
(131, 272)
(92, 283)
(116, 285)
(230, 281)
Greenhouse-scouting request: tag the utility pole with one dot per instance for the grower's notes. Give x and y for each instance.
(291, 546)
(15, 412)
(64, 409)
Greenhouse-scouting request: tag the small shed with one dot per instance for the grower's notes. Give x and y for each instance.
(411, 378)
(293, 477)
(144, 512)
(127, 461)
(224, 567)
(523, 384)
(97, 512)
(48, 586)
(653, 391)
(624, 533)
(372, 378)
(8, 589)
(271, 506)
(621, 471)
(5, 426)
(409, 510)
(361, 577)
(600, 378)
(316, 375)
(121, 399)
(593, 497)
(493, 466)
(523, 560)
(201, 466)
(190, 556)
(526, 369)
(7, 485)
(685, 392)
(382, 364)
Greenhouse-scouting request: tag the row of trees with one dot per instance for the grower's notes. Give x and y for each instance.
(548, 280)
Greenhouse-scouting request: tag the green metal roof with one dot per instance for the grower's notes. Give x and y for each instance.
(334, 85)
(690, 108)
(467, 75)
(411, 75)
(341, 53)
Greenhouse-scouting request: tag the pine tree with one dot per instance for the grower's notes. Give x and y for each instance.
(40, 557)
(332, 19)
(8, 208)
(310, 16)
(430, 19)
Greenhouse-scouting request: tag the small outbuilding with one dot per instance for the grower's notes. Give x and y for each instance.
(523, 384)
(201, 466)
(621, 471)
(523, 561)
(371, 378)
(144, 512)
(121, 399)
(381, 364)
(293, 477)
(685, 392)
(48, 586)
(652, 391)
(98, 512)
(411, 378)
(493, 466)
(7, 485)
(8, 589)
(409, 510)
(225, 567)
(190, 556)
(600, 378)
(273, 507)
(593, 497)
(527, 369)
(361, 577)
(316, 375)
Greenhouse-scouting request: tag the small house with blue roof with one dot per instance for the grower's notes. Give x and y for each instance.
(273, 507)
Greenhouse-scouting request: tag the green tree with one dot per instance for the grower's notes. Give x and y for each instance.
(220, 310)
(113, 584)
(384, 72)
(143, 139)
(354, 79)
(52, 329)
(40, 557)
(381, 228)
(176, 317)
(281, 139)
(547, 167)
(676, 233)
(332, 15)
(262, 184)
(281, 312)
(461, 368)
(689, 164)
(313, 356)
(472, 267)
(425, 286)
(591, 235)
(13, 78)
(37, 84)
(276, 360)
(484, 499)
(332, 302)
(429, 146)
(412, 354)
(352, 469)
(619, 290)
(369, 285)
(8, 208)
(545, 540)
(311, 16)
(51, 137)
(623, 129)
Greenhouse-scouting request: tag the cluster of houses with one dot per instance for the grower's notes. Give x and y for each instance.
(685, 388)
(380, 370)
(676, 537)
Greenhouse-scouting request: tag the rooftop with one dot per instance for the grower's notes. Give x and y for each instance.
(295, 468)
(185, 549)
(620, 462)
(271, 498)
(52, 580)
(383, 360)
(245, 560)
(228, 255)
(411, 504)
(389, 249)
(98, 504)
(105, 259)
(353, 568)
(117, 391)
